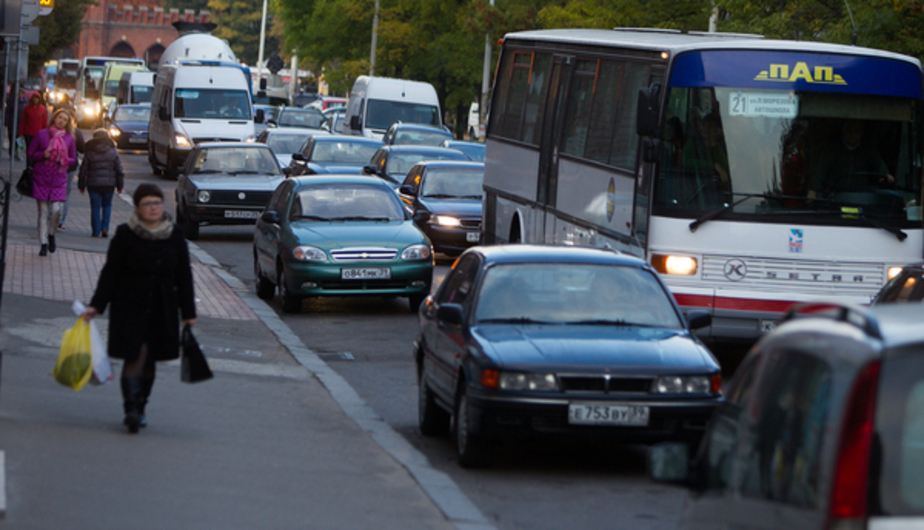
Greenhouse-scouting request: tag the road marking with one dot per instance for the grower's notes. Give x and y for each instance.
(2, 485)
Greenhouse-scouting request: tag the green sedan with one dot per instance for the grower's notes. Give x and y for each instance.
(339, 235)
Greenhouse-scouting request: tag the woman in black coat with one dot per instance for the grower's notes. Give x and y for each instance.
(148, 280)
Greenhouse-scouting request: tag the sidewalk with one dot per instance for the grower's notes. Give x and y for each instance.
(276, 440)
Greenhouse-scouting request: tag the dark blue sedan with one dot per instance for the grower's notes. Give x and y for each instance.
(128, 126)
(524, 340)
(334, 154)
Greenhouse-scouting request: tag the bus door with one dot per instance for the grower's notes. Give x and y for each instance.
(549, 145)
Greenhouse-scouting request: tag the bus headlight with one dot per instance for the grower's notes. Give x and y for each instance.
(893, 272)
(676, 265)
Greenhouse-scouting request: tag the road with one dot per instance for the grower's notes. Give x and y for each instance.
(368, 342)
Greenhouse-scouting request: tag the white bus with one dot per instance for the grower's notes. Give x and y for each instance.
(752, 174)
(90, 87)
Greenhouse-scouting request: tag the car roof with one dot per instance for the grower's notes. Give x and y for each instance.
(256, 145)
(350, 138)
(900, 324)
(292, 130)
(418, 127)
(304, 110)
(311, 180)
(556, 254)
(450, 163)
(423, 149)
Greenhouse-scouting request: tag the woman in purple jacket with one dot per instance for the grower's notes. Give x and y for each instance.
(52, 150)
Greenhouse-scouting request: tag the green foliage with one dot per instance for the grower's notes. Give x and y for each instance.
(666, 14)
(59, 29)
(239, 23)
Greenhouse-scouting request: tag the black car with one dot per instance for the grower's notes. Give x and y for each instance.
(392, 162)
(822, 428)
(297, 117)
(128, 126)
(906, 286)
(415, 134)
(445, 199)
(345, 155)
(524, 340)
(225, 183)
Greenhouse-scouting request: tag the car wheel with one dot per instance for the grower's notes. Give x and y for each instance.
(433, 420)
(190, 227)
(290, 302)
(472, 451)
(265, 288)
(415, 300)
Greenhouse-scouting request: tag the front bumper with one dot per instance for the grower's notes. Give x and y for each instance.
(408, 278)
(450, 240)
(223, 214)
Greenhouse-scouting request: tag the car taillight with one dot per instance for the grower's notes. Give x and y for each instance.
(848, 493)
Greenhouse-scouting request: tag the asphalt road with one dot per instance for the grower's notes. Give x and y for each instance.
(368, 342)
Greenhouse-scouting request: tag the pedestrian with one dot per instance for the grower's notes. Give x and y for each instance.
(100, 173)
(13, 132)
(148, 280)
(72, 169)
(34, 118)
(51, 152)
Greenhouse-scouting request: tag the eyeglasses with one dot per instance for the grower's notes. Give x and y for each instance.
(150, 204)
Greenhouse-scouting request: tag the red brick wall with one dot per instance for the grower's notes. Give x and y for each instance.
(142, 25)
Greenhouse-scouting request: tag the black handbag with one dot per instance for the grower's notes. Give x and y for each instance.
(25, 183)
(193, 366)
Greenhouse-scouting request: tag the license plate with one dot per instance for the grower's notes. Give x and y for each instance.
(767, 325)
(137, 140)
(241, 214)
(588, 413)
(472, 237)
(383, 273)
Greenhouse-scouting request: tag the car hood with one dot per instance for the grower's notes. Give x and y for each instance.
(642, 350)
(342, 234)
(220, 181)
(465, 207)
(336, 169)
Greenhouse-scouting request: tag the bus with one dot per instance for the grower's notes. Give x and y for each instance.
(752, 174)
(89, 87)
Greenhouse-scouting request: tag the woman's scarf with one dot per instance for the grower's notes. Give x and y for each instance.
(162, 231)
(57, 145)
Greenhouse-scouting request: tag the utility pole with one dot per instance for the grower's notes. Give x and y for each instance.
(262, 41)
(375, 38)
(485, 83)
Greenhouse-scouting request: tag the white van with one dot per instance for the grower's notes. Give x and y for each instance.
(195, 103)
(377, 102)
(135, 87)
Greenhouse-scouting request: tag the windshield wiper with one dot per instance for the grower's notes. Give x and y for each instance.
(440, 196)
(313, 217)
(243, 172)
(207, 171)
(607, 322)
(515, 320)
(361, 218)
(716, 213)
(472, 196)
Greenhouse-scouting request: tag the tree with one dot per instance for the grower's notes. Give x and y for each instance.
(239, 23)
(667, 14)
(59, 29)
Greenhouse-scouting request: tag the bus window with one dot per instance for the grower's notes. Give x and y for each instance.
(535, 100)
(625, 141)
(604, 114)
(577, 116)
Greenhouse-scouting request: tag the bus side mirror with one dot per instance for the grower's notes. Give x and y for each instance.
(355, 124)
(648, 110)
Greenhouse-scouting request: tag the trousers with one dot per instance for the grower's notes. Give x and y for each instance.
(49, 216)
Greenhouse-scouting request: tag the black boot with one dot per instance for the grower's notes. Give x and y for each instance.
(44, 250)
(147, 385)
(132, 391)
(51, 244)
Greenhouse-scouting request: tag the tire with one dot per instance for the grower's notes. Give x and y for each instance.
(266, 290)
(190, 227)
(290, 302)
(415, 300)
(473, 451)
(433, 420)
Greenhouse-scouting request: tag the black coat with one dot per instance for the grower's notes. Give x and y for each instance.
(148, 283)
(101, 169)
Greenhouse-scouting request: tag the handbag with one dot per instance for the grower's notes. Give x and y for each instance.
(74, 367)
(26, 182)
(193, 365)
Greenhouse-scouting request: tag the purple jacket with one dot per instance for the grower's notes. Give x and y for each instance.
(50, 177)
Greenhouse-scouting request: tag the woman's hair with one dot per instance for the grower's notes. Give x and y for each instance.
(147, 190)
(70, 120)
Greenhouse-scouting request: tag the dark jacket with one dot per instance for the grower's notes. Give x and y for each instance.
(148, 283)
(101, 169)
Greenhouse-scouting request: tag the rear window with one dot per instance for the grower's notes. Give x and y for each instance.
(899, 472)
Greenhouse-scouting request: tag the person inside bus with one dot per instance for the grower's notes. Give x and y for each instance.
(849, 164)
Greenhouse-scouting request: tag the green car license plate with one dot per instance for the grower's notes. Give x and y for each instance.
(379, 273)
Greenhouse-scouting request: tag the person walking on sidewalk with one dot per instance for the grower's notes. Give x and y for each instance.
(72, 169)
(148, 280)
(34, 119)
(51, 152)
(100, 173)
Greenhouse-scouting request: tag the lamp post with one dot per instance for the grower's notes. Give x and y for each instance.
(485, 81)
(375, 38)
(262, 41)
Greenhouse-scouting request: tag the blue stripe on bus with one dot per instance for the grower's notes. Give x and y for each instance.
(798, 71)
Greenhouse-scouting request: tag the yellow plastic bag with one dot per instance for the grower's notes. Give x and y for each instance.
(74, 362)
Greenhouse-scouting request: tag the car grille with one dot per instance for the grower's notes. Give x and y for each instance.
(600, 383)
(251, 198)
(368, 285)
(471, 223)
(206, 140)
(363, 254)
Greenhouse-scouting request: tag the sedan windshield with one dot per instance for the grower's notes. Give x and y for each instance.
(311, 119)
(556, 293)
(401, 163)
(790, 156)
(126, 114)
(285, 143)
(412, 137)
(452, 183)
(236, 161)
(346, 202)
(342, 152)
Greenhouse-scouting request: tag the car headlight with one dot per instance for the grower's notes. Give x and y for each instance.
(308, 253)
(688, 384)
(250, 139)
(182, 141)
(114, 131)
(89, 109)
(519, 381)
(204, 196)
(416, 252)
(893, 272)
(446, 220)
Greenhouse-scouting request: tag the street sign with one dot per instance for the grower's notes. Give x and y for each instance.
(45, 7)
(30, 11)
(30, 35)
(10, 16)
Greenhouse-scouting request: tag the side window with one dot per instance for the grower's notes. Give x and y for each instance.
(603, 115)
(460, 282)
(277, 202)
(516, 96)
(783, 461)
(536, 98)
(577, 115)
(296, 210)
(413, 178)
(625, 140)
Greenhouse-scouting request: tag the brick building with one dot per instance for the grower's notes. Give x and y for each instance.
(131, 28)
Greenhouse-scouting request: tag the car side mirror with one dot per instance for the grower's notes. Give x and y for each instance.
(298, 157)
(271, 217)
(369, 170)
(669, 462)
(355, 124)
(421, 216)
(287, 171)
(162, 113)
(407, 189)
(699, 318)
(260, 117)
(450, 314)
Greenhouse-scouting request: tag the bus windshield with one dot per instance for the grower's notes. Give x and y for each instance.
(381, 114)
(789, 156)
